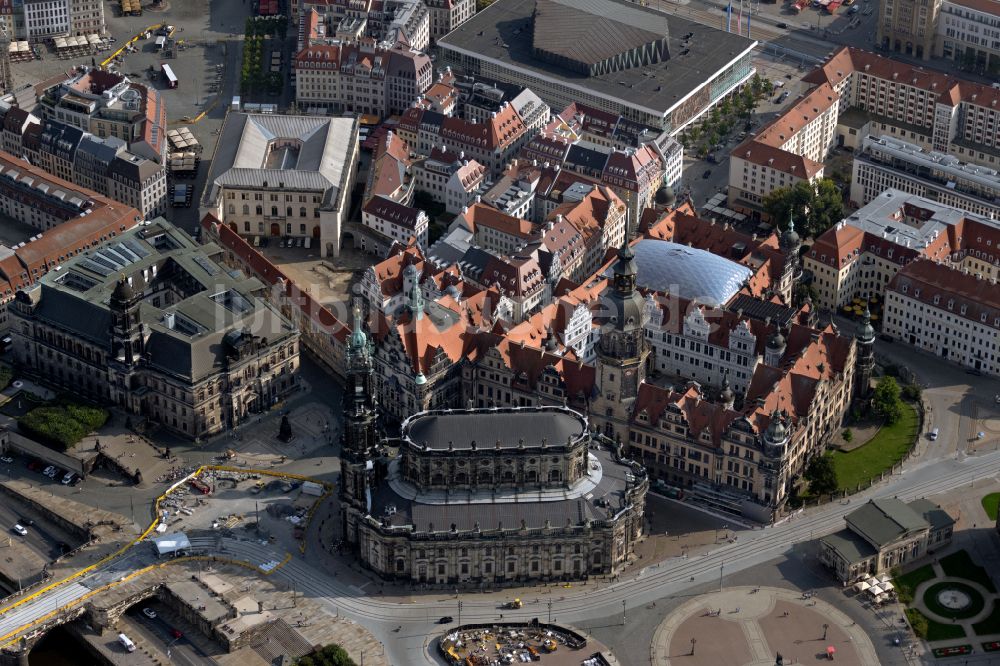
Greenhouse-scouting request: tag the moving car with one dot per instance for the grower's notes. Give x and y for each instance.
(705, 176)
(783, 26)
(149, 612)
(447, 619)
(20, 530)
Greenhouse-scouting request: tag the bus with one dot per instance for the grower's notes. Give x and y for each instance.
(169, 75)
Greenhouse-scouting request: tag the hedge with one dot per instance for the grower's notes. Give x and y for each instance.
(63, 424)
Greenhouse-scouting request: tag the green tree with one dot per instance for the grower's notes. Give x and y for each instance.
(816, 208)
(827, 207)
(793, 200)
(328, 655)
(848, 435)
(886, 400)
(822, 475)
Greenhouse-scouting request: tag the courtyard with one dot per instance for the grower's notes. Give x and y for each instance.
(952, 603)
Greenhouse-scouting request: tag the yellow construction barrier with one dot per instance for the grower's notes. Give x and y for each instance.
(156, 521)
(121, 49)
(9, 639)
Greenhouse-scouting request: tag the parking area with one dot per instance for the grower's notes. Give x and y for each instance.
(259, 506)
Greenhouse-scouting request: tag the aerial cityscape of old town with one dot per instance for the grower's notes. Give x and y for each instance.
(483, 332)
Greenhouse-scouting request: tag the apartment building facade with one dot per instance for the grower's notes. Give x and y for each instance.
(859, 257)
(883, 163)
(968, 32)
(949, 312)
(908, 26)
(362, 77)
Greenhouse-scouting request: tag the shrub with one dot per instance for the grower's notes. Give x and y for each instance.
(61, 425)
(328, 655)
(848, 435)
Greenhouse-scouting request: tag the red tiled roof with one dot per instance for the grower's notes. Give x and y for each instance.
(975, 299)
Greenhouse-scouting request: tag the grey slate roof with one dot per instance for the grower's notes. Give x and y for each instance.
(885, 520)
(937, 517)
(326, 146)
(464, 515)
(76, 299)
(502, 33)
(487, 427)
(849, 546)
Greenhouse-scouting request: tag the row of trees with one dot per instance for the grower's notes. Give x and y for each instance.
(724, 117)
(255, 71)
(816, 207)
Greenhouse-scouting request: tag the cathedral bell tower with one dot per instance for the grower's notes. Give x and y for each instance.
(126, 343)
(359, 441)
(622, 350)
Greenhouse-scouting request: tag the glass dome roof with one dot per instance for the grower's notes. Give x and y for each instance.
(687, 272)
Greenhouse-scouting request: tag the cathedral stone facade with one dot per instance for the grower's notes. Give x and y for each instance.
(484, 497)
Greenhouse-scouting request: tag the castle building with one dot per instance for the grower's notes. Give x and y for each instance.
(151, 323)
(541, 501)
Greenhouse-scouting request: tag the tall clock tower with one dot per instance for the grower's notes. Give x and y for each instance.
(622, 350)
(360, 438)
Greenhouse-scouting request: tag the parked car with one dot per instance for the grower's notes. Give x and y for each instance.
(68, 478)
(20, 530)
(149, 612)
(50, 471)
(35, 466)
(27, 522)
(6, 459)
(783, 26)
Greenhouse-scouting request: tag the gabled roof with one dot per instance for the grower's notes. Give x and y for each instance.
(884, 521)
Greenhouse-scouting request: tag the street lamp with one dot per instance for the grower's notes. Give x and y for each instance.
(550, 611)
(721, 565)
(825, 627)
(623, 612)
(694, 641)
(460, 613)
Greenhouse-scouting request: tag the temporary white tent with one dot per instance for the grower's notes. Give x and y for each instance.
(875, 590)
(887, 586)
(171, 544)
(861, 586)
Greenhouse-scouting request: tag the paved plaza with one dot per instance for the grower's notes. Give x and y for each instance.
(748, 626)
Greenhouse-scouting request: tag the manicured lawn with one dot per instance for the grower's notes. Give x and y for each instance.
(906, 584)
(931, 630)
(975, 607)
(883, 451)
(990, 504)
(991, 625)
(960, 565)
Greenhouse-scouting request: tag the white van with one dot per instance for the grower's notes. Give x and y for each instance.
(934, 434)
(126, 643)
